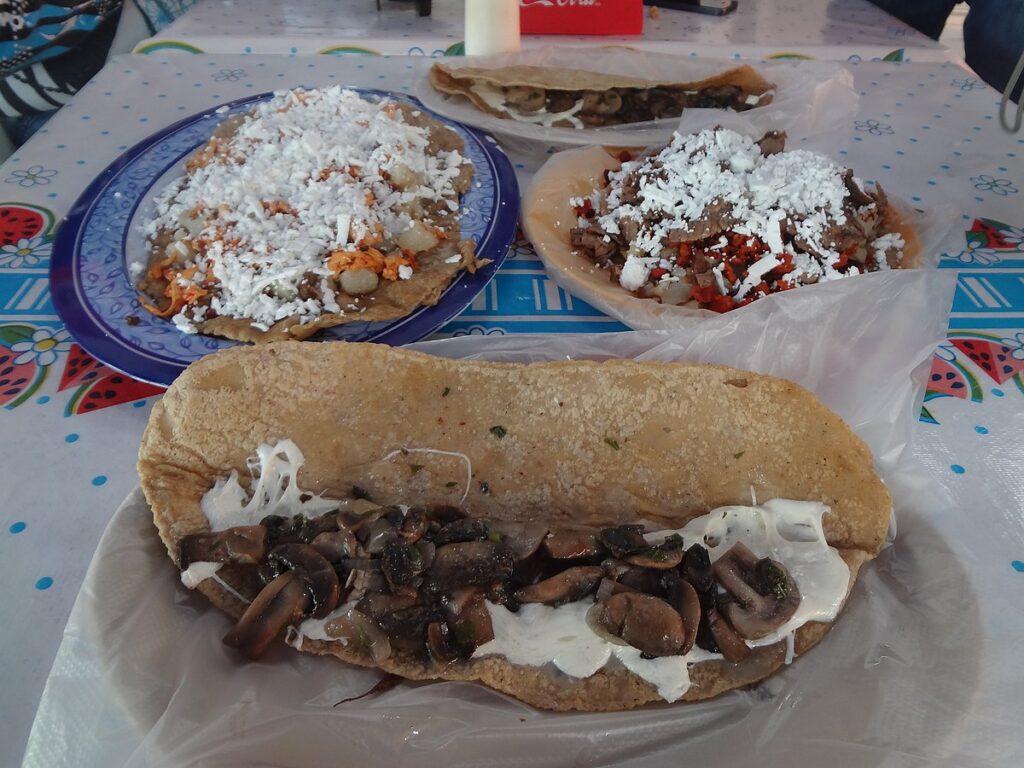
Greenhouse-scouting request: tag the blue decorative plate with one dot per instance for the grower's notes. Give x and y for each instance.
(95, 296)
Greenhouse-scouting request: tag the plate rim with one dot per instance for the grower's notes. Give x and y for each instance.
(104, 343)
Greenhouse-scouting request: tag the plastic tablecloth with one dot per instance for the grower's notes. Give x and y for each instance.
(70, 428)
(822, 29)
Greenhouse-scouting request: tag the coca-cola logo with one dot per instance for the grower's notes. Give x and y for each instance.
(559, 3)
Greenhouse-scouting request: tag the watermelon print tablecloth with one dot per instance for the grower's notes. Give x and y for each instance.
(809, 29)
(70, 427)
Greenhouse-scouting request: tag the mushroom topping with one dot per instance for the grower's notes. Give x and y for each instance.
(414, 525)
(764, 595)
(644, 622)
(358, 629)
(609, 587)
(437, 643)
(525, 98)
(566, 587)
(664, 556)
(337, 545)
(726, 641)
(319, 575)
(469, 563)
(378, 529)
(522, 538)
(401, 563)
(280, 603)
(408, 623)
(572, 543)
(697, 569)
(245, 544)
(601, 102)
(469, 620)
(683, 597)
(286, 530)
(444, 514)
(624, 540)
(377, 604)
(467, 529)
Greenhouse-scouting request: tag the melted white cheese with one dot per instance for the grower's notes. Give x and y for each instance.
(495, 97)
(787, 531)
(198, 572)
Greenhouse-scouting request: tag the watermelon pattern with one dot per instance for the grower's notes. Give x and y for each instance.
(992, 356)
(19, 221)
(18, 381)
(80, 368)
(949, 378)
(113, 389)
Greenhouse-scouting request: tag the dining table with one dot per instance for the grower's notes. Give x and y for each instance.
(806, 29)
(70, 426)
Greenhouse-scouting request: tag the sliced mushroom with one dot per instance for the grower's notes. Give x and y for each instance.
(522, 538)
(643, 580)
(601, 102)
(378, 604)
(764, 594)
(468, 620)
(362, 631)
(362, 582)
(572, 543)
(287, 530)
(408, 623)
(683, 597)
(726, 641)
(668, 554)
(245, 544)
(469, 563)
(525, 98)
(414, 525)
(697, 569)
(282, 602)
(609, 587)
(567, 587)
(318, 574)
(401, 563)
(624, 540)
(437, 643)
(644, 622)
(375, 534)
(337, 545)
(466, 529)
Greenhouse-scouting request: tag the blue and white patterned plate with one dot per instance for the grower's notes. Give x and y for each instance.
(94, 293)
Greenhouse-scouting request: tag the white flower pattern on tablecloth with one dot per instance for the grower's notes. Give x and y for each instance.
(981, 256)
(229, 75)
(1016, 345)
(966, 83)
(27, 252)
(1013, 236)
(43, 347)
(31, 176)
(873, 127)
(986, 183)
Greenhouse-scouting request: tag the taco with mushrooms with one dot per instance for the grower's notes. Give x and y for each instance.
(513, 524)
(575, 98)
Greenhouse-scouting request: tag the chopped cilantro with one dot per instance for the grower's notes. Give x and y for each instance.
(450, 484)
(447, 390)
(415, 468)
(738, 455)
(498, 431)
(612, 442)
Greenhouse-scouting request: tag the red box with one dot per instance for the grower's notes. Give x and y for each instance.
(581, 17)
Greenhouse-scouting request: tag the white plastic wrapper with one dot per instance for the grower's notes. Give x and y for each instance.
(904, 679)
(548, 217)
(811, 97)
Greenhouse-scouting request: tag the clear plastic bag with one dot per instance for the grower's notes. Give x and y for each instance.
(809, 97)
(141, 678)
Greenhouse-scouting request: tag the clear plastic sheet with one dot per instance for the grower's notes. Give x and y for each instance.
(904, 679)
(547, 218)
(811, 97)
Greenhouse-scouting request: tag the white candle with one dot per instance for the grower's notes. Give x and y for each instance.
(492, 26)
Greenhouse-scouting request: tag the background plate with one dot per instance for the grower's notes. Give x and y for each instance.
(94, 293)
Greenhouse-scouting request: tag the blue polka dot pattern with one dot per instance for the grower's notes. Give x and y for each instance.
(43, 399)
(17, 527)
(957, 469)
(72, 438)
(99, 480)
(44, 583)
(981, 430)
(1018, 566)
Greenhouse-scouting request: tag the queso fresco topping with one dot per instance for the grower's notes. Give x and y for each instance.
(721, 220)
(435, 585)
